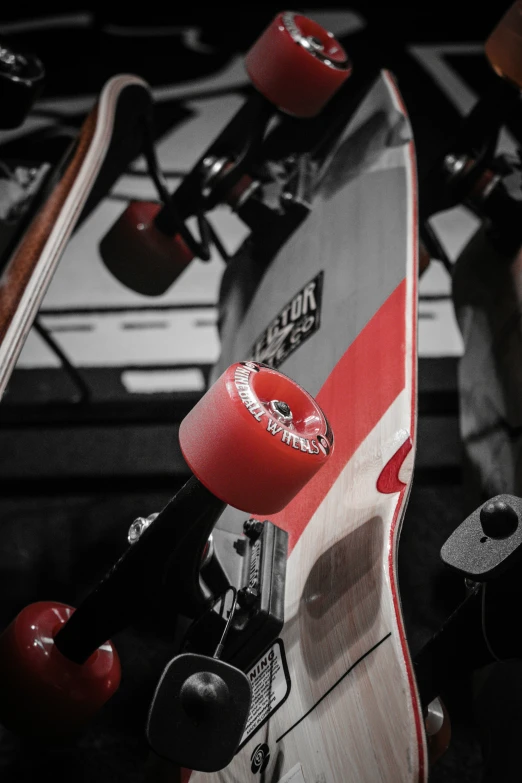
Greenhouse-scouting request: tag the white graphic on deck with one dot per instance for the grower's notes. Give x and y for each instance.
(270, 686)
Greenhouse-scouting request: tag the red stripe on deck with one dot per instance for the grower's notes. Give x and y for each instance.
(355, 396)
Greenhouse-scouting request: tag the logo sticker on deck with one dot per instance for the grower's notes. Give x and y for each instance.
(270, 683)
(296, 322)
(260, 758)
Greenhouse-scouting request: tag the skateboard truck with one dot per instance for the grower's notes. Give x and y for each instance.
(467, 172)
(258, 615)
(260, 557)
(296, 67)
(230, 439)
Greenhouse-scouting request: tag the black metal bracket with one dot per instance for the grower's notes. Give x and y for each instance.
(259, 616)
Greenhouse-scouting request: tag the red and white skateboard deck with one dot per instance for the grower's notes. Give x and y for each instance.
(334, 699)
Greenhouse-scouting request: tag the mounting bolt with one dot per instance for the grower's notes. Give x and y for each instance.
(138, 527)
(253, 528)
(247, 597)
(455, 164)
(212, 168)
(282, 410)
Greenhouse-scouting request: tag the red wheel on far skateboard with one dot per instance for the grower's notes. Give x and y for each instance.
(140, 255)
(44, 693)
(297, 64)
(255, 438)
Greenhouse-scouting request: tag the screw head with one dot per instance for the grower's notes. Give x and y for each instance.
(454, 164)
(247, 597)
(281, 409)
(135, 530)
(138, 526)
(253, 528)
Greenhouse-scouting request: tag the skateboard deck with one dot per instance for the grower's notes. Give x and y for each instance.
(334, 698)
(110, 137)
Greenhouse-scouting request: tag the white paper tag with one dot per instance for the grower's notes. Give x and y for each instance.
(294, 776)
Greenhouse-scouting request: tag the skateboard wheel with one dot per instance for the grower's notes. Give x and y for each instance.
(297, 65)
(256, 438)
(43, 692)
(504, 45)
(139, 255)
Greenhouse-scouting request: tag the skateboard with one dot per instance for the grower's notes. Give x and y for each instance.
(336, 311)
(478, 172)
(324, 290)
(35, 232)
(330, 299)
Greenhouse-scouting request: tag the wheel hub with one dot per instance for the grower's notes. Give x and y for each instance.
(282, 410)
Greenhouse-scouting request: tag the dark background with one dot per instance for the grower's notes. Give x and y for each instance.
(60, 533)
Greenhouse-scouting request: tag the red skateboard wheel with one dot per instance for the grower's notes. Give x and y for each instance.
(297, 65)
(504, 45)
(256, 438)
(42, 692)
(139, 255)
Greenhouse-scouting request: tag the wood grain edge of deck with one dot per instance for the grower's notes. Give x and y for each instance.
(19, 270)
